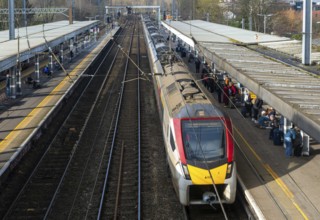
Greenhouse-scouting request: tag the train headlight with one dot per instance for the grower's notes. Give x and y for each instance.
(229, 170)
(186, 171)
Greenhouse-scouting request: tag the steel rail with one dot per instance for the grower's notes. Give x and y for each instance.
(101, 161)
(83, 128)
(95, 137)
(113, 138)
(139, 130)
(119, 183)
(10, 209)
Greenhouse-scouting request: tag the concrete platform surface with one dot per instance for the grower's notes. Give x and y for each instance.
(22, 117)
(277, 187)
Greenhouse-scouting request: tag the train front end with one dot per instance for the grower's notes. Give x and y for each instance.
(207, 170)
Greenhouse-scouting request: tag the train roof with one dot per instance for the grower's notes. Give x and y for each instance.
(161, 47)
(152, 27)
(183, 96)
(156, 34)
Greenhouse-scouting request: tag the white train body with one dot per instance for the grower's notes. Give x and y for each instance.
(198, 136)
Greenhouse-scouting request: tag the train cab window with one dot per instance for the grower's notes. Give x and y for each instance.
(173, 146)
(203, 140)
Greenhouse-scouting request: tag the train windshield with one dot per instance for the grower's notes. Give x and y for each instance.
(203, 140)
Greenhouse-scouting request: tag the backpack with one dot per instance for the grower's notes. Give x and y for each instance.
(298, 140)
(258, 104)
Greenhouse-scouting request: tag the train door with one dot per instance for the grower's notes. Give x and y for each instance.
(172, 157)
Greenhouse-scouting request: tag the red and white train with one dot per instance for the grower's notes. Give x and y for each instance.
(198, 136)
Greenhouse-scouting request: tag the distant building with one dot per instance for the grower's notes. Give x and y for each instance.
(298, 5)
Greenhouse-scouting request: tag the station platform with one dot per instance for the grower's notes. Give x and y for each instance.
(21, 119)
(293, 92)
(279, 187)
(38, 39)
(275, 187)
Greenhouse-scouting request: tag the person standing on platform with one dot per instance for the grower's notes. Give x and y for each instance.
(219, 88)
(225, 95)
(47, 71)
(256, 107)
(226, 80)
(288, 139)
(247, 106)
(197, 65)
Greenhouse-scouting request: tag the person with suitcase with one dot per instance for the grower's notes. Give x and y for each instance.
(277, 136)
(289, 137)
(297, 143)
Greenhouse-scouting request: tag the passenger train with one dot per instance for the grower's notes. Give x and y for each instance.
(198, 136)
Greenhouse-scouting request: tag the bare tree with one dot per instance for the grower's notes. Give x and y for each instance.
(288, 23)
(18, 17)
(208, 6)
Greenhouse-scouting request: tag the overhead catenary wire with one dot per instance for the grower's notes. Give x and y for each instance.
(132, 61)
(227, 129)
(170, 61)
(55, 57)
(205, 159)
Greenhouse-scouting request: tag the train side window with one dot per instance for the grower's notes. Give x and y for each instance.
(173, 146)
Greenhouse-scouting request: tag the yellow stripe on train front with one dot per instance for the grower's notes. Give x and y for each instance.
(202, 177)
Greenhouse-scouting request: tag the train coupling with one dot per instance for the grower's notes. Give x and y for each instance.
(209, 197)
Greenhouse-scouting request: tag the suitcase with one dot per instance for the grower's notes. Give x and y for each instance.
(277, 136)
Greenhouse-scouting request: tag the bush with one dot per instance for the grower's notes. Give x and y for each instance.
(296, 36)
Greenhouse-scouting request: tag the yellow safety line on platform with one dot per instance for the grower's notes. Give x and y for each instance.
(22, 125)
(278, 180)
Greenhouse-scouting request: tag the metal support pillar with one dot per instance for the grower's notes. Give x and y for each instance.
(50, 62)
(307, 32)
(264, 24)
(306, 144)
(18, 73)
(243, 23)
(287, 124)
(37, 71)
(172, 8)
(85, 41)
(76, 45)
(95, 33)
(8, 83)
(159, 17)
(250, 23)
(11, 20)
(71, 11)
(71, 49)
(61, 58)
(24, 13)
(13, 82)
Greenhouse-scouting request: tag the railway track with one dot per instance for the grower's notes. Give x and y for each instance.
(83, 183)
(68, 181)
(39, 192)
(121, 198)
(106, 158)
